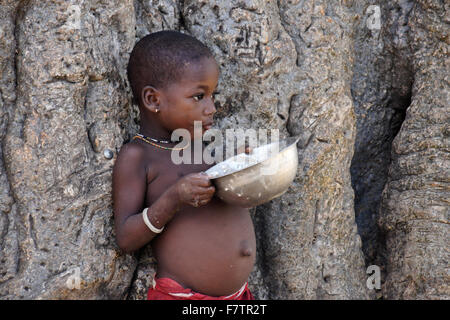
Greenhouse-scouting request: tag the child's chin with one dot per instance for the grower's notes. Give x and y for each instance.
(198, 134)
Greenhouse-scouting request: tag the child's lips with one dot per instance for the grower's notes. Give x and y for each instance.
(207, 125)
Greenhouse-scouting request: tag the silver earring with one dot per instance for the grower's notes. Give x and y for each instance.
(157, 110)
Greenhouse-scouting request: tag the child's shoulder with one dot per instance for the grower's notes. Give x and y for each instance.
(130, 155)
(132, 150)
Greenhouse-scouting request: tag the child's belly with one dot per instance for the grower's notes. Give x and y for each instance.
(210, 249)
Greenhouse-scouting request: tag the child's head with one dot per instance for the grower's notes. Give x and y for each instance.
(159, 59)
(173, 77)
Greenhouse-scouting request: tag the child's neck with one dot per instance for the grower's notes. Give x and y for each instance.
(153, 129)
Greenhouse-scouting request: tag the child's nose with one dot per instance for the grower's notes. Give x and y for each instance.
(210, 107)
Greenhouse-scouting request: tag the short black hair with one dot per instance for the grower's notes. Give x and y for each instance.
(159, 58)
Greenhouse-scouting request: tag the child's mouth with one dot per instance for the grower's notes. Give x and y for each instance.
(207, 126)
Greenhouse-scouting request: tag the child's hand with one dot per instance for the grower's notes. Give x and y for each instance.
(195, 189)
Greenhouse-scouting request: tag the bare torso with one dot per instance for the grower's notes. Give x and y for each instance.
(210, 249)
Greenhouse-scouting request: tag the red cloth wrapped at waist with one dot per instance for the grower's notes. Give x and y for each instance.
(168, 289)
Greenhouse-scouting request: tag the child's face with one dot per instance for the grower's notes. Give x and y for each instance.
(191, 97)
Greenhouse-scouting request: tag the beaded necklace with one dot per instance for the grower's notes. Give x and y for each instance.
(148, 140)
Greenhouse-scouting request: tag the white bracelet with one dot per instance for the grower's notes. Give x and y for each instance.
(149, 224)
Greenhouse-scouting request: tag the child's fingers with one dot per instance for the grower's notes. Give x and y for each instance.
(202, 196)
(209, 191)
(194, 181)
(200, 201)
(204, 192)
(202, 180)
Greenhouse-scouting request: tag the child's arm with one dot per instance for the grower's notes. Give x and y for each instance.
(129, 191)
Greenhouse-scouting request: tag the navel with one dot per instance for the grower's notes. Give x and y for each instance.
(245, 248)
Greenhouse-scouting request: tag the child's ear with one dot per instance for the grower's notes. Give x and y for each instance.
(151, 98)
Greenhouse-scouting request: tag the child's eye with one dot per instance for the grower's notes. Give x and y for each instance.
(198, 97)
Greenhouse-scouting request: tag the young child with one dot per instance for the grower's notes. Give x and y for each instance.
(205, 248)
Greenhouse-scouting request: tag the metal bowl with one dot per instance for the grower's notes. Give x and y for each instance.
(248, 180)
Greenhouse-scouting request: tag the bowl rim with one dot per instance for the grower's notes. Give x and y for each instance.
(289, 141)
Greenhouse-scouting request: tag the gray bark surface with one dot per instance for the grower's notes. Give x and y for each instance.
(371, 107)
